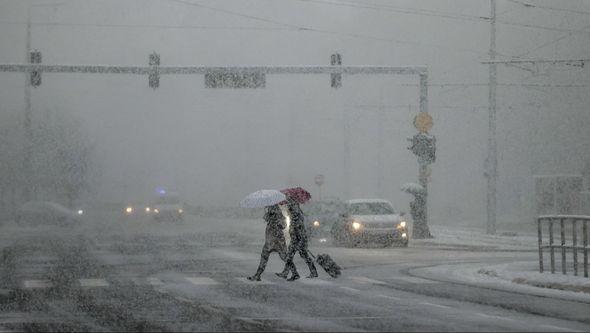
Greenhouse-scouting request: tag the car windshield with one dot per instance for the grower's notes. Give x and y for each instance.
(370, 208)
(167, 200)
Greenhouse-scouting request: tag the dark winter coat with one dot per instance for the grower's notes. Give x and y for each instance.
(275, 224)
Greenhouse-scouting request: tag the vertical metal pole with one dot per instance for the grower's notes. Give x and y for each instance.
(380, 146)
(492, 161)
(585, 242)
(424, 232)
(551, 248)
(540, 236)
(562, 234)
(27, 128)
(575, 246)
(347, 151)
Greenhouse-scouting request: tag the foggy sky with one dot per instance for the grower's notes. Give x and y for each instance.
(215, 146)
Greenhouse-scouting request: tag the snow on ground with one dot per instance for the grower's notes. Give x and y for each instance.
(473, 238)
(502, 277)
(527, 273)
(519, 276)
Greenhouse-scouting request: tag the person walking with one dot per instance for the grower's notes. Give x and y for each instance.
(274, 239)
(298, 243)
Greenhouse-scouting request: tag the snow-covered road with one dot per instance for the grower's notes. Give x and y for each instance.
(146, 276)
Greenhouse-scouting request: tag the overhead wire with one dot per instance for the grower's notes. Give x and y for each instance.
(325, 31)
(551, 42)
(397, 9)
(531, 5)
(423, 12)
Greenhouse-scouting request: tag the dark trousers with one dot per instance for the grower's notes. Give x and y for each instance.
(298, 245)
(266, 251)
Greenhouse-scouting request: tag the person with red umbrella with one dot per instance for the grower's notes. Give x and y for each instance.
(298, 235)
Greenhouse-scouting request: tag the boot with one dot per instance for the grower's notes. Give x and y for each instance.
(293, 277)
(285, 272)
(313, 273)
(254, 277)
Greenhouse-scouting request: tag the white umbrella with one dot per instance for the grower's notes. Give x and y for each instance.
(412, 188)
(262, 198)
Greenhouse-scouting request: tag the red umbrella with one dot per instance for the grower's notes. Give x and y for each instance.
(298, 194)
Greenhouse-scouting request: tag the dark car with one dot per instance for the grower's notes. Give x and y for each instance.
(366, 221)
(168, 207)
(319, 217)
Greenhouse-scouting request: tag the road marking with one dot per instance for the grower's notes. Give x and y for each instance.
(551, 327)
(351, 289)
(201, 281)
(390, 297)
(416, 280)
(316, 282)
(37, 284)
(237, 255)
(155, 281)
(436, 305)
(261, 282)
(494, 317)
(317, 318)
(93, 283)
(365, 280)
(150, 280)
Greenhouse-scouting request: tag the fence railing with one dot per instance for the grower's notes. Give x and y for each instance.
(575, 224)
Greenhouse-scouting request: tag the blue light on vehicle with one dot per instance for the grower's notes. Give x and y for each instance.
(162, 191)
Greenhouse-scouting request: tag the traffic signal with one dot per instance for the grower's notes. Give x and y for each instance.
(35, 58)
(424, 147)
(154, 76)
(336, 78)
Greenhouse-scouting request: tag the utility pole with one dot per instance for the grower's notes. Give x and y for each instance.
(380, 146)
(34, 79)
(28, 131)
(492, 159)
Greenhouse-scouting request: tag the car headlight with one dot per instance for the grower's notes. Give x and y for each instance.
(356, 225)
(129, 210)
(402, 224)
(157, 211)
(180, 211)
(316, 223)
(404, 235)
(148, 209)
(80, 212)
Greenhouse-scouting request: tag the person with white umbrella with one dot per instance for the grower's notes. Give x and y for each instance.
(274, 239)
(275, 223)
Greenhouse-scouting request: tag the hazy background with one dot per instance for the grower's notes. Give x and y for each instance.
(216, 146)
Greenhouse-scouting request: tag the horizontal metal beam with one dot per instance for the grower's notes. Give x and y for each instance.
(534, 61)
(565, 217)
(163, 70)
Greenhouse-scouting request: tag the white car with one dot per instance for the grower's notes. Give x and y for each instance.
(370, 221)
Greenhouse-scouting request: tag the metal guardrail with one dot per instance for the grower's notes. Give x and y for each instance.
(572, 221)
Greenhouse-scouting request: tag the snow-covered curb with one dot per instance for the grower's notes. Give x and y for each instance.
(474, 239)
(525, 273)
(514, 277)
